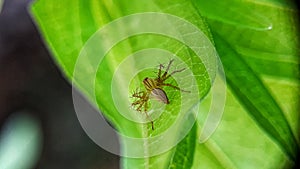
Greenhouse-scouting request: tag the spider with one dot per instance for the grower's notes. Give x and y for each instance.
(154, 88)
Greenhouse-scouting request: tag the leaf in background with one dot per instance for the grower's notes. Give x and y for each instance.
(263, 34)
(184, 152)
(1, 2)
(256, 98)
(239, 143)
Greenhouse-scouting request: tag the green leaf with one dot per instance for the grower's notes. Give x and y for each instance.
(1, 2)
(262, 32)
(180, 156)
(255, 38)
(68, 36)
(260, 54)
(239, 143)
(184, 151)
(256, 98)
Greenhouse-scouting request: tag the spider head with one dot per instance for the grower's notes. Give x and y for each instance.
(149, 84)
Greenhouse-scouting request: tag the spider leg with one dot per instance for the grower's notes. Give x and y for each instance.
(142, 100)
(168, 67)
(141, 105)
(145, 108)
(136, 93)
(175, 87)
(159, 71)
(175, 71)
(139, 94)
(136, 103)
(139, 101)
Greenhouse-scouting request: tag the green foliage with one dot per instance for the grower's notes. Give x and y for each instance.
(260, 54)
(263, 34)
(1, 2)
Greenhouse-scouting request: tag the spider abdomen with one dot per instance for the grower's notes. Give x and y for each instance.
(160, 95)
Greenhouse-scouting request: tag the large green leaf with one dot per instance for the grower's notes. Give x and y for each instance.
(263, 34)
(256, 42)
(68, 36)
(239, 143)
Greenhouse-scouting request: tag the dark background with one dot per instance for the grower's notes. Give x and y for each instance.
(31, 82)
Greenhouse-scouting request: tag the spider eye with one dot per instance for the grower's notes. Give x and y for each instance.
(160, 95)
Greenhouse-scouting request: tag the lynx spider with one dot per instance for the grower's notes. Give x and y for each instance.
(154, 88)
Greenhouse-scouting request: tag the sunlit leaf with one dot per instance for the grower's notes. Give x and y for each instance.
(1, 5)
(260, 54)
(67, 38)
(254, 38)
